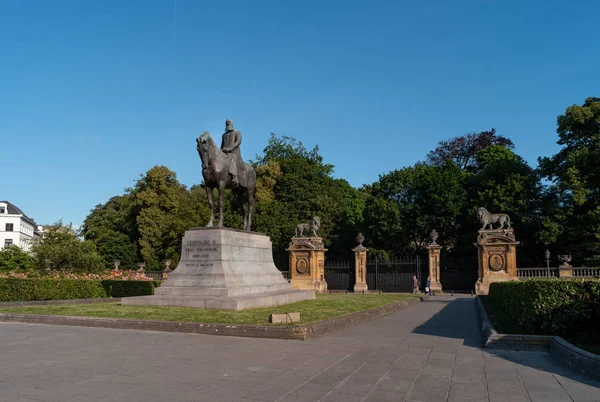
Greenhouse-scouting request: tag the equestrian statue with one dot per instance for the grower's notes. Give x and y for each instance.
(225, 169)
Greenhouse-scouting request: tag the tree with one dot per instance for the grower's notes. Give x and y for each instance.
(574, 174)
(503, 182)
(158, 196)
(407, 204)
(112, 227)
(147, 222)
(293, 184)
(462, 150)
(13, 258)
(62, 249)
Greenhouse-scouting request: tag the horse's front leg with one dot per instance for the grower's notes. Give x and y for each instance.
(209, 195)
(250, 208)
(221, 201)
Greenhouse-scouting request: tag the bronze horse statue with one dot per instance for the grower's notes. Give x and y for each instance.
(215, 171)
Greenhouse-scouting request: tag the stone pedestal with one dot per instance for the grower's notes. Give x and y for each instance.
(497, 255)
(433, 251)
(565, 272)
(224, 269)
(360, 269)
(307, 263)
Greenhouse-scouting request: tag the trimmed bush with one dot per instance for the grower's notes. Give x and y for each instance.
(567, 308)
(26, 289)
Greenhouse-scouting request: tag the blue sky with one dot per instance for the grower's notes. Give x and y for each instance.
(92, 94)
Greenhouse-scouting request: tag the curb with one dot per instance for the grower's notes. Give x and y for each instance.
(302, 332)
(577, 359)
(54, 302)
(493, 340)
(562, 351)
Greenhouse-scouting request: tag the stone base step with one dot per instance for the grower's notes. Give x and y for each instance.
(244, 302)
(198, 291)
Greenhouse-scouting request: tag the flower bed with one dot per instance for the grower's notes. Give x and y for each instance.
(104, 275)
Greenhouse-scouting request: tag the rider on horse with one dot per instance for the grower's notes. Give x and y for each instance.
(232, 139)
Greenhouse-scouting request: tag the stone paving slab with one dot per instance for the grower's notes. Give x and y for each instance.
(429, 352)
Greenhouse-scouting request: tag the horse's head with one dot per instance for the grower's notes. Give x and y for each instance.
(203, 145)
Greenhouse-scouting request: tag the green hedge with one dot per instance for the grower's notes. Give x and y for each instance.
(13, 289)
(567, 308)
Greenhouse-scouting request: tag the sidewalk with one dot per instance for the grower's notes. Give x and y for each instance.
(428, 352)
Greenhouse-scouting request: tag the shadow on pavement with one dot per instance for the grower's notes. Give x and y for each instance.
(457, 319)
(544, 362)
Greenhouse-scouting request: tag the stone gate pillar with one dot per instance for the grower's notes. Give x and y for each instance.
(307, 263)
(360, 265)
(360, 268)
(433, 251)
(497, 258)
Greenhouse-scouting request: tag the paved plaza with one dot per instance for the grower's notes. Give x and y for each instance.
(429, 352)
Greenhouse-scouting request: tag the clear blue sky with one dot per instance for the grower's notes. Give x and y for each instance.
(92, 94)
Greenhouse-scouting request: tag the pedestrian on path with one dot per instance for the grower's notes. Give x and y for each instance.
(415, 285)
(428, 286)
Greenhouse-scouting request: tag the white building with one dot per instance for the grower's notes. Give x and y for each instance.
(16, 228)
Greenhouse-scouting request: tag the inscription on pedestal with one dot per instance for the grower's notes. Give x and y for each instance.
(199, 253)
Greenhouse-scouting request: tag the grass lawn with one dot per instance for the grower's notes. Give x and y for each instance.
(324, 307)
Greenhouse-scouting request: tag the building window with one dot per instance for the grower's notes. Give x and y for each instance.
(9, 227)
(2, 210)
(8, 242)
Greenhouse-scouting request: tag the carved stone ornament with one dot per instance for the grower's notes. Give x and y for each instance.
(487, 219)
(302, 266)
(496, 262)
(311, 228)
(360, 239)
(434, 236)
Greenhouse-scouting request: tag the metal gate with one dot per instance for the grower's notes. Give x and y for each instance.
(393, 275)
(458, 274)
(339, 275)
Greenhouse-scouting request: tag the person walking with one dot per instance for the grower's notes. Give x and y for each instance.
(428, 286)
(415, 285)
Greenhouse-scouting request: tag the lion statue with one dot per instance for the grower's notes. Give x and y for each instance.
(487, 219)
(311, 227)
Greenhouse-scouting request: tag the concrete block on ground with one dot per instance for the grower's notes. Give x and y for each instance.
(285, 318)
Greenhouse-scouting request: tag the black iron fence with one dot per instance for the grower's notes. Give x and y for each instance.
(393, 275)
(339, 275)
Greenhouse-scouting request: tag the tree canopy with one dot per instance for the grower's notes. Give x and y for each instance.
(573, 199)
(555, 205)
(462, 150)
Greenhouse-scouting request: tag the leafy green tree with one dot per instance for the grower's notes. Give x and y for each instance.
(147, 222)
(293, 184)
(503, 182)
(61, 248)
(462, 150)
(117, 246)
(112, 227)
(158, 196)
(574, 174)
(13, 258)
(408, 203)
